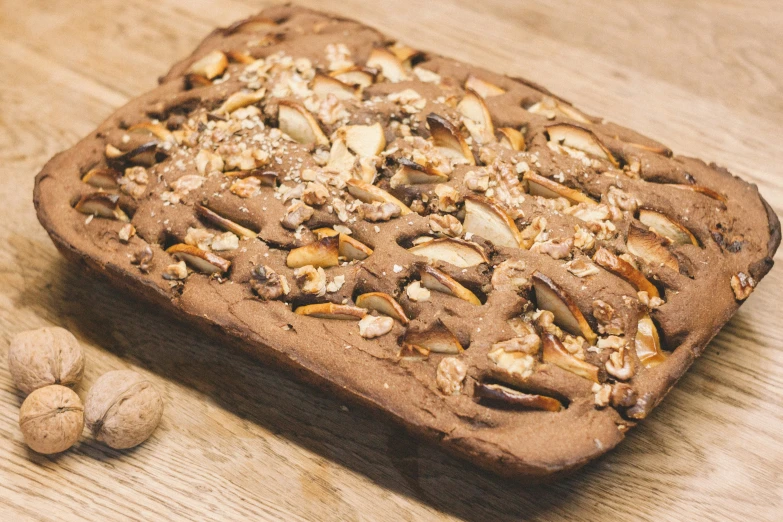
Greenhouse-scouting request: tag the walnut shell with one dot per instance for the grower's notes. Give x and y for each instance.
(43, 357)
(51, 419)
(122, 409)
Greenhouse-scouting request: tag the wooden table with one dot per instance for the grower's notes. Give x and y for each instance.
(240, 441)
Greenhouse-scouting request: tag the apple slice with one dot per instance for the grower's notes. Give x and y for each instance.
(555, 353)
(239, 100)
(360, 76)
(384, 304)
(487, 219)
(404, 53)
(295, 121)
(412, 352)
(332, 311)
(625, 270)
(203, 261)
(364, 140)
(103, 178)
(142, 155)
(155, 129)
(324, 85)
(411, 173)
(352, 249)
(224, 223)
(666, 227)
(389, 65)
(193, 81)
(549, 296)
(322, 253)
(323, 232)
(254, 24)
(368, 193)
(210, 66)
(479, 120)
(648, 344)
(511, 138)
(650, 247)
(434, 279)
(483, 88)
(656, 149)
(340, 158)
(701, 190)
(507, 396)
(239, 57)
(578, 138)
(551, 108)
(454, 251)
(102, 205)
(547, 188)
(437, 338)
(449, 141)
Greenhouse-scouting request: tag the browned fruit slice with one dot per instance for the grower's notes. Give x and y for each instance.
(352, 249)
(203, 261)
(405, 54)
(547, 188)
(702, 190)
(155, 129)
(484, 88)
(412, 352)
(224, 223)
(656, 149)
(389, 65)
(210, 66)
(505, 395)
(322, 253)
(626, 271)
(667, 227)
(550, 107)
(103, 178)
(254, 24)
(555, 353)
(324, 85)
(368, 193)
(650, 247)
(450, 250)
(332, 311)
(580, 139)
(239, 100)
(648, 345)
(473, 107)
(364, 140)
(360, 76)
(299, 124)
(384, 304)
(434, 279)
(549, 296)
(239, 57)
(511, 138)
(489, 220)
(449, 141)
(410, 173)
(437, 338)
(101, 205)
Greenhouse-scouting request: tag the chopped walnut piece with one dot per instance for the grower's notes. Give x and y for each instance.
(622, 200)
(315, 194)
(311, 280)
(450, 375)
(126, 232)
(338, 56)
(176, 271)
(417, 293)
(199, 237)
(581, 268)
(336, 284)
(246, 187)
(521, 327)
(448, 197)
(477, 180)
(603, 394)
(509, 275)
(608, 322)
(554, 248)
(268, 284)
(186, 183)
(378, 211)
(533, 231)
(583, 239)
(742, 284)
(574, 345)
(623, 395)
(445, 224)
(613, 342)
(225, 241)
(528, 344)
(332, 110)
(208, 162)
(296, 214)
(545, 321)
(650, 302)
(619, 365)
(372, 326)
(143, 258)
(517, 363)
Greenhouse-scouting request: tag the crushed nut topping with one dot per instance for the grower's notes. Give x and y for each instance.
(417, 293)
(199, 237)
(126, 232)
(296, 214)
(268, 284)
(581, 268)
(509, 275)
(311, 280)
(246, 187)
(377, 211)
(608, 321)
(371, 326)
(743, 285)
(450, 375)
(225, 241)
(517, 363)
(445, 224)
(176, 271)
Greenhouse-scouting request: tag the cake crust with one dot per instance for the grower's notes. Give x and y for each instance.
(463, 252)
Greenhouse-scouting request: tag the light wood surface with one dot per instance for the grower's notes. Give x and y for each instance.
(240, 441)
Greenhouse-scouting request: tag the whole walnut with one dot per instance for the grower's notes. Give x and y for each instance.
(46, 356)
(122, 409)
(51, 419)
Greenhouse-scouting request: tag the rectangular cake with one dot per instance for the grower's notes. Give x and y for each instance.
(465, 253)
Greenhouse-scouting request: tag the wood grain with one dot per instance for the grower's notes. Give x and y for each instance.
(241, 441)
